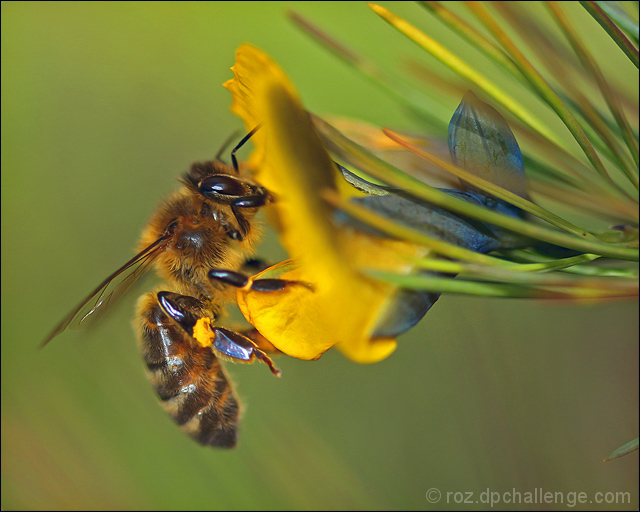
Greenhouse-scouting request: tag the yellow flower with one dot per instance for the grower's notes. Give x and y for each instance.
(337, 305)
(406, 235)
(429, 235)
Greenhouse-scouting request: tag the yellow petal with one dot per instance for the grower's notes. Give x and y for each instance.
(343, 305)
(371, 351)
(290, 318)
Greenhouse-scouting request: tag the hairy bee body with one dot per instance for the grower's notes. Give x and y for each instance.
(198, 240)
(188, 377)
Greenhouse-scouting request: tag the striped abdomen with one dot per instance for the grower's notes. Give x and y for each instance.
(188, 378)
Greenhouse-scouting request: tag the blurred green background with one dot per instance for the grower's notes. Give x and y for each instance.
(103, 105)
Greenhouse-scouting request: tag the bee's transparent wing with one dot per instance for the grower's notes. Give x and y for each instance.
(98, 302)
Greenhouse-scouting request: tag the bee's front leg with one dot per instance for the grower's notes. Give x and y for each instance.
(259, 198)
(190, 314)
(240, 280)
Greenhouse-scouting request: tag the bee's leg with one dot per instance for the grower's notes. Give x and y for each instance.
(183, 309)
(240, 280)
(239, 347)
(256, 200)
(188, 378)
(190, 314)
(263, 343)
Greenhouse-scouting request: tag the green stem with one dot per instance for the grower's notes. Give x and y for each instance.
(392, 176)
(614, 32)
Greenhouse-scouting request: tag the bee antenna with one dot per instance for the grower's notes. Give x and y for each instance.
(226, 143)
(234, 161)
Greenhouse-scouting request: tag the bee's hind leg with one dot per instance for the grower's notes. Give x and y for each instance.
(238, 347)
(190, 314)
(241, 280)
(263, 343)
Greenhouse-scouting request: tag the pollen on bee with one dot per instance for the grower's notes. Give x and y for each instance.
(202, 332)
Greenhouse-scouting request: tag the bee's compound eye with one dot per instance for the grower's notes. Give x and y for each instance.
(221, 184)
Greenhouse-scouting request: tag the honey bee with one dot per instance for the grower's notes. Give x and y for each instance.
(199, 240)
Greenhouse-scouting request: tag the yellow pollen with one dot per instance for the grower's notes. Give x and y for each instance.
(202, 332)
